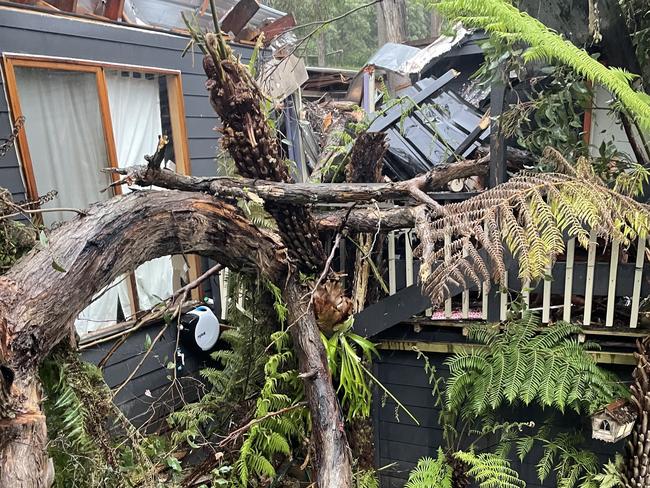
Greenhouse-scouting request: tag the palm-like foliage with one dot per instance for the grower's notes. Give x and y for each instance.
(465, 243)
(501, 19)
(273, 435)
(345, 364)
(519, 365)
(574, 467)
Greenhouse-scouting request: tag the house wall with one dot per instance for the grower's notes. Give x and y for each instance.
(149, 396)
(30, 32)
(399, 440)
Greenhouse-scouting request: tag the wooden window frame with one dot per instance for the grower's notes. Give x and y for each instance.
(175, 99)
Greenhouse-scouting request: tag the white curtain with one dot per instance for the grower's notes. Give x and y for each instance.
(64, 131)
(136, 118)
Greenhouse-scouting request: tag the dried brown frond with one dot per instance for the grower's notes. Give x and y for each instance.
(525, 218)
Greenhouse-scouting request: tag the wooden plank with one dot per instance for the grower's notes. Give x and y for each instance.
(392, 278)
(223, 292)
(465, 296)
(504, 298)
(277, 27)
(408, 245)
(238, 16)
(497, 171)
(113, 9)
(448, 304)
(638, 275)
(611, 291)
(546, 298)
(568, 279)
(65, 5)
(589, 282)
(602, 357)
(485, 301)
(177, 119)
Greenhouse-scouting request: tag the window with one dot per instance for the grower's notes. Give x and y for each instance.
(79, 118)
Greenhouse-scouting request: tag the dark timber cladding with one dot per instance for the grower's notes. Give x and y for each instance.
(41, 34)
(399, 442)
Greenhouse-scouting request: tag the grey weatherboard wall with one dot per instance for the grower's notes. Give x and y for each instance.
(32, 32)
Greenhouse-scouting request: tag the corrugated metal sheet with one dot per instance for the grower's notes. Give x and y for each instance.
(166, 14)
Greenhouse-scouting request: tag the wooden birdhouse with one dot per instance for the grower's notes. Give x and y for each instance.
(614, 422)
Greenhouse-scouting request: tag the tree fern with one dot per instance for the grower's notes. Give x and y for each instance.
(574, 466)
(431, 472)
(519, 365)
(490, 470)
(503, 20)
(529, 214)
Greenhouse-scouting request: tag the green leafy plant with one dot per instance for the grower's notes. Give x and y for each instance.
(239, 370)
(504, 21)
(490, 470)
(431, 472)
(518, 364)
(78, 405)
(574, 466)
(365, 479)
(274, 434)
(347, 369)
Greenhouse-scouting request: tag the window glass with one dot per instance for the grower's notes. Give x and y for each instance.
(67, 146)
(137, 117)
(63, 125)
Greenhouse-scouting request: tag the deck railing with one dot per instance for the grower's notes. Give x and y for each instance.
(617, 276)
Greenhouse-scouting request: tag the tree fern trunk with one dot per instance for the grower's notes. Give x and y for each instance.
(637, 450)
(253, 145)
(365, 166)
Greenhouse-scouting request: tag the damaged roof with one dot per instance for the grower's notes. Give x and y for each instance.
(432, 125)
(414, 62)
(166, 14)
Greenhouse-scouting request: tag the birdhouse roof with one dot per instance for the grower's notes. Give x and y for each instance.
(620, 411)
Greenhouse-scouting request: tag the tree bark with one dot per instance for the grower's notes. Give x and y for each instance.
(310, 193)
(23, 457)
(333, 463)
(38, 304)
(391, 21)
(637, 463)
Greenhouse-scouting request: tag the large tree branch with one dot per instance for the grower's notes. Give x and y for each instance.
(333, 458)
(38, 303)
(368, 219)
(307, 193)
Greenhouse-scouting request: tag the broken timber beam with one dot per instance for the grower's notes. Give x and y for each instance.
(238, 16)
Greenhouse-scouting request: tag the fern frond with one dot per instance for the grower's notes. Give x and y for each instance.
(490, 470)
(431, 472)
(521, 364)
(528, 215)
(500, 18)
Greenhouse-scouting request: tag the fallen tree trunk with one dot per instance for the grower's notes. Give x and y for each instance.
(308, 193)
(38, 304)
(333, 463)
